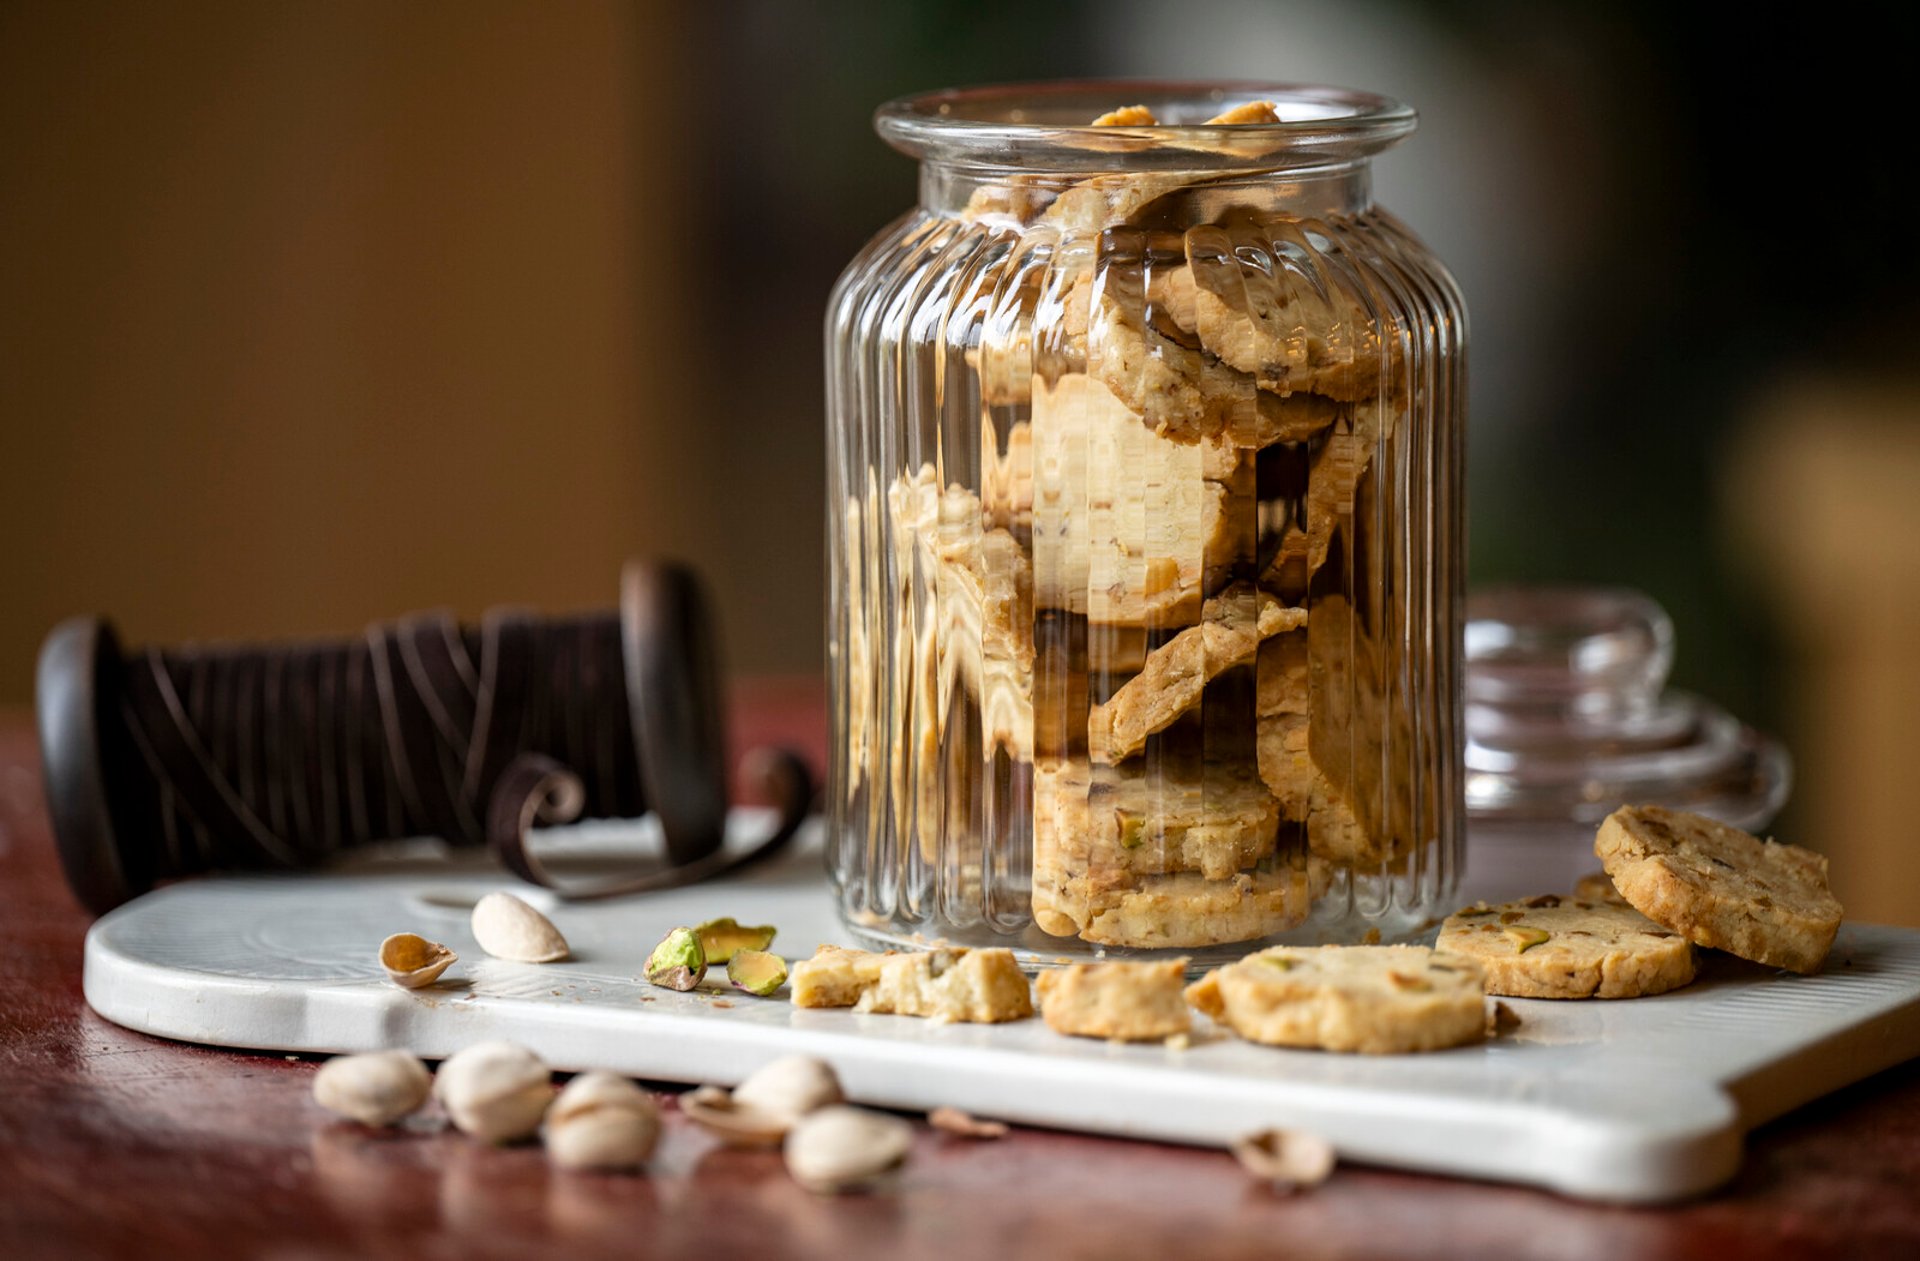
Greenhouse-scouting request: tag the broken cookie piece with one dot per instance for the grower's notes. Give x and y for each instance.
(1123, 1002)
(948, 983)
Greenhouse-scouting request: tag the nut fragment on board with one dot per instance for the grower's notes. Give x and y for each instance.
(845, 1149)
(378, 1088)
(757, 972)
(1285, 1159)
(495, 1091)
(965, 1125)
(678, 962)
(507, 928)
(412, 962)
(720, 938)
(602, 1121)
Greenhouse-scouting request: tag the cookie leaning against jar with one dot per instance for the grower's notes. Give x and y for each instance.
(1721, 887)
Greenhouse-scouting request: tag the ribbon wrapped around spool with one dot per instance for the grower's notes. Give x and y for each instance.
(164, 762)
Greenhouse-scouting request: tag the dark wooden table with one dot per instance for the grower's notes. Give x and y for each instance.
(117, 1144)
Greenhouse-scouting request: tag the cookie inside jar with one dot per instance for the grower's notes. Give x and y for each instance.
(1170, 650)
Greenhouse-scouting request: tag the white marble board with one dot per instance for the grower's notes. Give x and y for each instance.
(1639, 1101)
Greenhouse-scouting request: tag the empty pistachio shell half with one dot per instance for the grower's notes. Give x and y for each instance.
(374, 1089)
(757, 972)
(508, 928)
(411, 961)
(793, 1085)
(679, 961)
(602, 1121)
(844, 1149)
(495, 1091)
(964, 1125)
(720, 938)
(733, 1123)
(1287, 1159)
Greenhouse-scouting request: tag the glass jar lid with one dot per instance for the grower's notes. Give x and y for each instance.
(1568, 716)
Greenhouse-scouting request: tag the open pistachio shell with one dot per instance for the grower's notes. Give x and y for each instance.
(732, 1122)
(377, 1088)
(1288, 1159)
(792, 1085)
(495, 1091)
(845, 1149)
(411, 961)
(602, 1121)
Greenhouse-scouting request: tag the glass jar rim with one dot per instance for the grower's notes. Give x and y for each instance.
(1046, 126)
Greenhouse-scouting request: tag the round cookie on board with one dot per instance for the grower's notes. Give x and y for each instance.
(1377, 1000)
(1721, 887)
(1554, 947)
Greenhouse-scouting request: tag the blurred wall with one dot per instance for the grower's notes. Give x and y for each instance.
(318, 312)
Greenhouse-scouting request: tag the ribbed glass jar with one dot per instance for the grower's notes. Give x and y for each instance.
(1145, 481)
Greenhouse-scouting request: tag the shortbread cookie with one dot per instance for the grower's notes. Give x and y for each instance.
(1549, 947)
(1109, 825)
(1721, 887)
(950, 983)
(1257, 311)
(1182, 392)
(1186, 911)
(1178, 671)
(1127, 526)
(1125, 1002)
(1377, 1000)
(1596, 887)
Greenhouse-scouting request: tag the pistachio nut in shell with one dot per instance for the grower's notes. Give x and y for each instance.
(507, 928)
(721, 938)
(412, 962)
(844, 1149)
(1286, 1159)
(757, 972)
(377, 1088)
(602, 1121)
(679, 961)
(495, 1091)
(792, 1085)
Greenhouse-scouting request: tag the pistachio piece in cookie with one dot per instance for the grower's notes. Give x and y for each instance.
(1721, 887)
(1554, 947)
(1377, 1000)
(1124, 1002)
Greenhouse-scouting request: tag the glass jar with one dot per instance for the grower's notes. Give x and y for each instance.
(1145, 515)
(1569, 716)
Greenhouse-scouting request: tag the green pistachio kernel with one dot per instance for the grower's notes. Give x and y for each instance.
(720, 938)
(678, 962)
